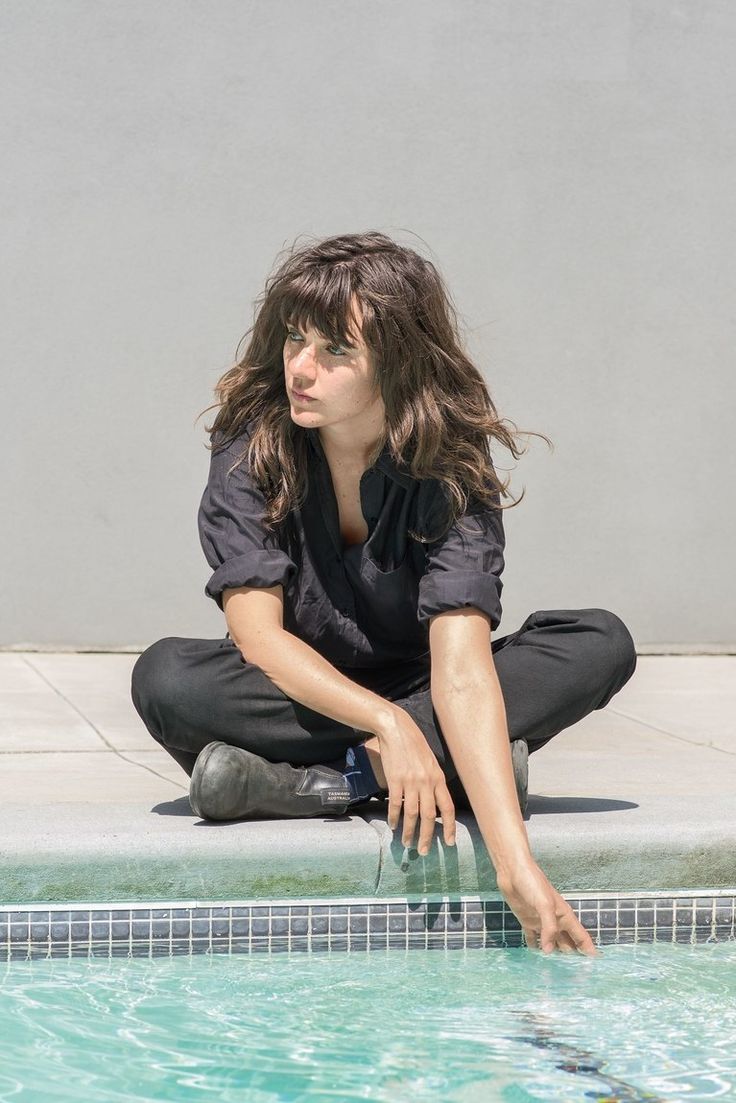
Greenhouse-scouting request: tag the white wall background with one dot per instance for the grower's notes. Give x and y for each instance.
(568, 165)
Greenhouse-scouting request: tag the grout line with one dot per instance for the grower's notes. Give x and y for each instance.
(96, 730)
(150, 769)
(492, 896)
(80, 750)
(71, 704)
(70, 649)
(664, 731)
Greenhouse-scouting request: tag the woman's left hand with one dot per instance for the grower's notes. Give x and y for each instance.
(546, 918)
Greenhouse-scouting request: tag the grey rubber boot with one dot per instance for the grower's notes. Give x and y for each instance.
(229, 783)
(520, 760)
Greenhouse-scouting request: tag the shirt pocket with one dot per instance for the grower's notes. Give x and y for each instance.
(390, 604)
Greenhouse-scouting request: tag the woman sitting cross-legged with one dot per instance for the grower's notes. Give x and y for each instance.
(353, 522)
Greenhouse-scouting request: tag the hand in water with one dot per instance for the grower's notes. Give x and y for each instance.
(548, 921)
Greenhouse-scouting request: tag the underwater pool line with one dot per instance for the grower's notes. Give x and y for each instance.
(145, 929)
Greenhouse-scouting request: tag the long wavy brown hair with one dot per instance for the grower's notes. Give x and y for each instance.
(440, 418)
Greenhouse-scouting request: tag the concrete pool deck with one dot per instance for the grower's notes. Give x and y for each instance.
(639, 796)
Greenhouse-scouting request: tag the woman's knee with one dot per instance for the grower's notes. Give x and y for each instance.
(620, 647)
(155, 679)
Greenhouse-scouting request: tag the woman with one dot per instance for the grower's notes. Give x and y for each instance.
(352, 519)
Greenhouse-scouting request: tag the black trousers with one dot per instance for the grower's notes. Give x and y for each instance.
(554, 670)
(558, 666)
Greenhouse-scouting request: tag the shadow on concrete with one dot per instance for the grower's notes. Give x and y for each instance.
(178, 807)
(541, 806)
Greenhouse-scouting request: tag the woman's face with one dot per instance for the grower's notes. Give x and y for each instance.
(339, 380)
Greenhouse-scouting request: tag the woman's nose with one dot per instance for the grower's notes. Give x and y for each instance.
(303, 362)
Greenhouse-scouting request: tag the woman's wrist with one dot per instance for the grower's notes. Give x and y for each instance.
(385, 722)
(509, 867)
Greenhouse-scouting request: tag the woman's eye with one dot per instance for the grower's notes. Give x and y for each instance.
(291, 335)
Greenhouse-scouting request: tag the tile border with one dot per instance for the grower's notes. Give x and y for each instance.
(155, 928)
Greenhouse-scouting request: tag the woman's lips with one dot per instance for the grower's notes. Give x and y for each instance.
(302, 397)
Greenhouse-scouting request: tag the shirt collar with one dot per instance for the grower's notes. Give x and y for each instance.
(385, 461)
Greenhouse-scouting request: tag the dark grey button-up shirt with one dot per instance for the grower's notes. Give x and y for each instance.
(369, 604)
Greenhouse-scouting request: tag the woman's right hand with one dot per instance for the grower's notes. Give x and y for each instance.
(547, 920)
(414, 777)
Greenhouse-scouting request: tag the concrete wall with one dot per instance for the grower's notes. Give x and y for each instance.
(567, 165)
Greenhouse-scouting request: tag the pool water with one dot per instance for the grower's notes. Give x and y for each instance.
(639, 1022)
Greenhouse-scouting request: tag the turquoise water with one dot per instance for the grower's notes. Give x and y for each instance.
(642, 1021)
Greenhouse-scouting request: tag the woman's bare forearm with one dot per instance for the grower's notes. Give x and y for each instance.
(305, 676)
(473, 722)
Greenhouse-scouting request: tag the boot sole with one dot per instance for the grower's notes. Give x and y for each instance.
(520, 759)
(220, 794)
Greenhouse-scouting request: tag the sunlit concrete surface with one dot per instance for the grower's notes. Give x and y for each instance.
(639, 795)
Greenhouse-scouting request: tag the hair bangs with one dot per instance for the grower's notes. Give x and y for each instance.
(322, 300)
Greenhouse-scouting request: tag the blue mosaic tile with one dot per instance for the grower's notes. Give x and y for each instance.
(299, 944)
(180, 946)
(494, 920)
(327, 926)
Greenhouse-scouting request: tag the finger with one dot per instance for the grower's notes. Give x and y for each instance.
(411, 813)
(531, 938)
(565, 943)
(579, 937)
(447, 812)
(548, 937)
(429, 821)
(395, 797)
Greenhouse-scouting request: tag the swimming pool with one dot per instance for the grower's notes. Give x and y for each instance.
(265, 1000)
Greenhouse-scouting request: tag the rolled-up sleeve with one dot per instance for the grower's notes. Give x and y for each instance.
(238, 547)
(464, 567)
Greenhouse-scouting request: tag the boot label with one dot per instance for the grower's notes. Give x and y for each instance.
(328, 795)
